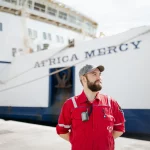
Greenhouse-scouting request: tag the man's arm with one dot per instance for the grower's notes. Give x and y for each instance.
(64, 122)
(65, 136)
(116, 134)
(119, 123)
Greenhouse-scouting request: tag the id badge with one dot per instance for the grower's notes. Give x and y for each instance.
(84, 116)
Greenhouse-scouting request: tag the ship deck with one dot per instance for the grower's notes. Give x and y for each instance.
(17, 135)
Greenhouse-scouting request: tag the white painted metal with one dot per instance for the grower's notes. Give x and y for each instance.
(126, 75)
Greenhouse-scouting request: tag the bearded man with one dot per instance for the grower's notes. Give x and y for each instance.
(91, 120)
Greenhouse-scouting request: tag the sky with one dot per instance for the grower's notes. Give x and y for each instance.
(114, 16)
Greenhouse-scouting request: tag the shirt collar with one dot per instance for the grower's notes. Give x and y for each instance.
(82, 97)
(98, 96)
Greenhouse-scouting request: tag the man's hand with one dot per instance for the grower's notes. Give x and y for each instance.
(65, 136)
(116, 134)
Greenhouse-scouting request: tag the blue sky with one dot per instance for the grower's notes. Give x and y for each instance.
(114, 16)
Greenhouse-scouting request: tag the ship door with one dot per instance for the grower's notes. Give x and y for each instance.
(61, 87)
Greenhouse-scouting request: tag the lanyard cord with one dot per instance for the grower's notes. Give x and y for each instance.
(90, 110)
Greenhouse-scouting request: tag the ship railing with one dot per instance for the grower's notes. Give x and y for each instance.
(44, 14)
(54, 19)
(10, 4)
(38, 12)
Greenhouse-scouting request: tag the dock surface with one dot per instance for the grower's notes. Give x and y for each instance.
(24, 136)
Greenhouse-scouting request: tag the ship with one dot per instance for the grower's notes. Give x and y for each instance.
(34, 85)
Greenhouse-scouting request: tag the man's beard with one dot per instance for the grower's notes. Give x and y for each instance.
(93, 86)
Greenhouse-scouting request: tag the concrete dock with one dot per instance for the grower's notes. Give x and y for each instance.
(23, 136)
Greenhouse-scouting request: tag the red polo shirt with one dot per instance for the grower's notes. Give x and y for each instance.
(105, 115)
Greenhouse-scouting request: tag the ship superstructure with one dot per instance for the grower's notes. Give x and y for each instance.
(28, 26)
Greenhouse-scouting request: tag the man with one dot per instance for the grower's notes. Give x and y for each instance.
(91, 120)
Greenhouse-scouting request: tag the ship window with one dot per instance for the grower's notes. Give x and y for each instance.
(39, 7)
(88, 25)
(57, 38)
(1, 27)
(51, 11)
(72, 19)
(49, 36)
(14, 52)
(45, 46)
(92, 30)
(38, 47)
(9, 1)
(79, 21)
(34, 34)
(29, 4)
(14, 2)
(62, 15)
(21, 2)
(44, 36)
(29, 32)
(20, 50)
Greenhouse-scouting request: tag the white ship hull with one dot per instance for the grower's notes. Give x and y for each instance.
(126, 78)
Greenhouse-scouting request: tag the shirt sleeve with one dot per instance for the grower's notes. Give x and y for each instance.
(119, 124)
(64, 120)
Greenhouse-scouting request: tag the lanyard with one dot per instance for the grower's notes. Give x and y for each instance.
(90, 110)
